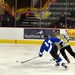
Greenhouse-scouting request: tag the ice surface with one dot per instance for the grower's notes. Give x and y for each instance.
(10, 53)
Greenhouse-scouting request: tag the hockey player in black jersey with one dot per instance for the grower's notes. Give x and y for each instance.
(66, 45)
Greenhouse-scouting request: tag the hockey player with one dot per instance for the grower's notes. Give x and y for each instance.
(49, 46)
(66, 45)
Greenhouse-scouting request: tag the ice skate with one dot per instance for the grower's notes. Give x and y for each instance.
(57, 64)
(68, 61)
(64, 65)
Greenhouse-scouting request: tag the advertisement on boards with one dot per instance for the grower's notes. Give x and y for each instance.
(68, 32)
(71, 34)
(37, 33)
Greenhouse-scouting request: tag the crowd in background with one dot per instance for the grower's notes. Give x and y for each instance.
(9, 21)
(65, 21)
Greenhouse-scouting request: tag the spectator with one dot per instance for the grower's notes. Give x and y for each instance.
(69, 22)
(73, 17)
(26, 17)
(62, 20)
(73, 13)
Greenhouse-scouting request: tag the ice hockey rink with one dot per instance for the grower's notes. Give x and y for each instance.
(10, 53)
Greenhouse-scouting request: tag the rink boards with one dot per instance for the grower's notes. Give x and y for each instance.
(32, 35)
(30, 41)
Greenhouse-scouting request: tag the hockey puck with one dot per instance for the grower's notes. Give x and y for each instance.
(16, 61)
(50, 60)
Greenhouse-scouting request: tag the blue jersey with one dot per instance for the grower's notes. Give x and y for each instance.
(48, 43)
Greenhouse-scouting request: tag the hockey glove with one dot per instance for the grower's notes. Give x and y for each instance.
(40, 55)
(61, 45)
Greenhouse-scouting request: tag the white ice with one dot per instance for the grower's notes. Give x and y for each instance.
(10, 53)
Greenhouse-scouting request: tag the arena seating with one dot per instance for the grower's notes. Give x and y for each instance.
(58, 8)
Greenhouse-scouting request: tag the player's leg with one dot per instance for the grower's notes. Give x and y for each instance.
(62, 51)
(69, 49)
(56, 56)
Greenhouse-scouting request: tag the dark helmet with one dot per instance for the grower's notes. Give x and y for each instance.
(57, 31)
(46, 36)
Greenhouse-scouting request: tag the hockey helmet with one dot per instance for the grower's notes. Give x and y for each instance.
(46, 36)
(57, 32)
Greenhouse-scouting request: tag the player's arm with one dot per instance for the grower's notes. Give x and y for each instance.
(41, 50)
(60, 42)
(66, 37)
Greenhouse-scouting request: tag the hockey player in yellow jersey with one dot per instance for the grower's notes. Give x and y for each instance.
(66, 45)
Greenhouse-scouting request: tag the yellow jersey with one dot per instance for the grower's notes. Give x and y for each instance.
(64, 38)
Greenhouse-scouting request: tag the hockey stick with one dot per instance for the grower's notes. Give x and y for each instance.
(29, 59)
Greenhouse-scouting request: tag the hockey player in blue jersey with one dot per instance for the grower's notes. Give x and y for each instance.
(49, 46)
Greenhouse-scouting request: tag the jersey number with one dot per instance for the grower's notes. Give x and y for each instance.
(47, 43)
